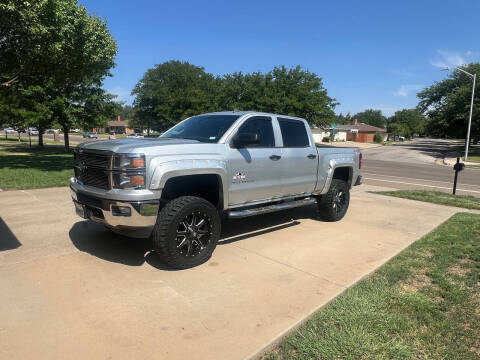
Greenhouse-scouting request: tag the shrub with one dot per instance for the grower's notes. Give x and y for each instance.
(326, 139)
(378, 138)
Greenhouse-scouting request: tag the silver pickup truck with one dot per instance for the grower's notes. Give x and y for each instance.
(175, 189)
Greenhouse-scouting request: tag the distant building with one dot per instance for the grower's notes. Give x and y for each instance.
(119, 126)
(361, 132)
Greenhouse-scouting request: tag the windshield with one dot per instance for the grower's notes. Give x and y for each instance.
(203, 128)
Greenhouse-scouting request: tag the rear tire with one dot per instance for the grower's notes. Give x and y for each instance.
(186, 232)
(334, 204)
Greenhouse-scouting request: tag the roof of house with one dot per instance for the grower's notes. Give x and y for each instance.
(361, 127)
(116, 123)
(318, 130)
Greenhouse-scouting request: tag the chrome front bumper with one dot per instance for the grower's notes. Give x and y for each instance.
(134, 218)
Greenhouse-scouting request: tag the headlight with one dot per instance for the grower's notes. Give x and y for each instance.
(129, 171)
(129, 161)
(124, 180)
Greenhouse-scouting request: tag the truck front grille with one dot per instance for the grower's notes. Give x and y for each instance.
(94, 159)
(93, 168)
(93, 177)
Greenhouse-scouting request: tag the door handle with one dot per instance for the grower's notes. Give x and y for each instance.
(311, 156)
(275, 157)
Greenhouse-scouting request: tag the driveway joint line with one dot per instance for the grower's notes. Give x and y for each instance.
(292, 267)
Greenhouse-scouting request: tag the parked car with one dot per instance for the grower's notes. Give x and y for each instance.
(9, 130)
(175, 189)
(90, 135)
(134, 135)
(33, 131)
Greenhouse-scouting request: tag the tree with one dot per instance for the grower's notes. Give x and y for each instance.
(407, 122)
(343, 119)
(294, 91)
(447, 104)
(57, 51)
(175, 90)
(371, 117)
(172, 91)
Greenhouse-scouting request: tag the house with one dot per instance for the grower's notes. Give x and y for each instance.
(361, 132)
(119, 126)
(320, 133)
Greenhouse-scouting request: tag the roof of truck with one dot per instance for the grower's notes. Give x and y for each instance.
(243, 112)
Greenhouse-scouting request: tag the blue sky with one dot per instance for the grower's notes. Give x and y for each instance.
(371, 54)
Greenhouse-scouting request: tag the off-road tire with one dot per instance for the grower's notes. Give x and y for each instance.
(169, 218)
(328, 208)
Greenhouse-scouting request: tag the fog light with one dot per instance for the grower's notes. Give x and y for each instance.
(121, 211)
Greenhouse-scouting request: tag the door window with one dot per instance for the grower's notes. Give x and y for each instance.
(294, 133)
(261, 126)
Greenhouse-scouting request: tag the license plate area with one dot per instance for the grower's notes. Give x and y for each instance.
(80, 210)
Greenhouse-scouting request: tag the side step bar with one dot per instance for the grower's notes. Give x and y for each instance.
(270, 208)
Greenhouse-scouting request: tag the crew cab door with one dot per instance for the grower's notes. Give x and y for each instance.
(254, 170)
(299, 158)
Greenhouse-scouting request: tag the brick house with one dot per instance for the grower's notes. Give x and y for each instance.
(361, 132)
(119, 126)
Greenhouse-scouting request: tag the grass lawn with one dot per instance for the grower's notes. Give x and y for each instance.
(437, 197)
(422, 304)
(474, 155)
(25, 168)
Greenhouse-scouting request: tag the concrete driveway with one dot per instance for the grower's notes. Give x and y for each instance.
(71, 289)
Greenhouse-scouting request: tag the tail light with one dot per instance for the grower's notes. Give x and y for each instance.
(360, 161)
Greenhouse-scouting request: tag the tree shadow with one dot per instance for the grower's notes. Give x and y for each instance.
(48, 159)
(97, 240)
(8, 241)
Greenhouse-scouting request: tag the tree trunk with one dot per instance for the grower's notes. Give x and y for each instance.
(40, 137)
(66, 139)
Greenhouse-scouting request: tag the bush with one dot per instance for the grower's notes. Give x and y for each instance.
(378, 138)
(326, 139)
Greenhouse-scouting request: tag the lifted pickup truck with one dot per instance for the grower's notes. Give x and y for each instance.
(176, 188)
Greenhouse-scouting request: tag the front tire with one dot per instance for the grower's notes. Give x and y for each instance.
(334, 204)
(186, 232)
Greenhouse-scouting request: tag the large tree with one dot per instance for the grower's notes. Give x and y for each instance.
(371, 117)
(174, 90)
(407, 122)
(57, 49)
(447, 104)
(171, 91)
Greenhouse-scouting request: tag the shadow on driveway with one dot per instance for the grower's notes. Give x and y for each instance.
(8, 241)
(98, 241)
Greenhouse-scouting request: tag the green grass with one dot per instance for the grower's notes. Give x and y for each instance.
(474, 155)
(422, 304)
(436, 197)
(22, 167)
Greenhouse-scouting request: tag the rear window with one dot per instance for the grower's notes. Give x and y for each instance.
(294, 133)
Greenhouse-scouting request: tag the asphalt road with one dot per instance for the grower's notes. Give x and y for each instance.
(417, 165)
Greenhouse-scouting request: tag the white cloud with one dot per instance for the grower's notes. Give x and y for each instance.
(122, 95)
(405, 90)
(453, 58)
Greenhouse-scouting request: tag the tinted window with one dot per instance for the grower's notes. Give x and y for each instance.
(261, 126)
(294, 133)
(204, 128)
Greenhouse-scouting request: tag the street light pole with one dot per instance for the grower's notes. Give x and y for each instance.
(474, 77)
(470, 117)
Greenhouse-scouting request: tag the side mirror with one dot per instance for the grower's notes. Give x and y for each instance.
(246, 139)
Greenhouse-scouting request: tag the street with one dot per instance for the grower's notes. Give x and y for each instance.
(417, 165)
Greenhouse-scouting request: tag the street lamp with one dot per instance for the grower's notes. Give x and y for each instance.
(474, 77)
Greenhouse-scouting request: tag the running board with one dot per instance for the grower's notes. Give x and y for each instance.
(270, 208)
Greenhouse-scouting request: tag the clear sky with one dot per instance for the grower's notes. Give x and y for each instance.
(371, 54)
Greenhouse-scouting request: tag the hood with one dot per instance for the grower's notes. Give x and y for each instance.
(128, 145)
